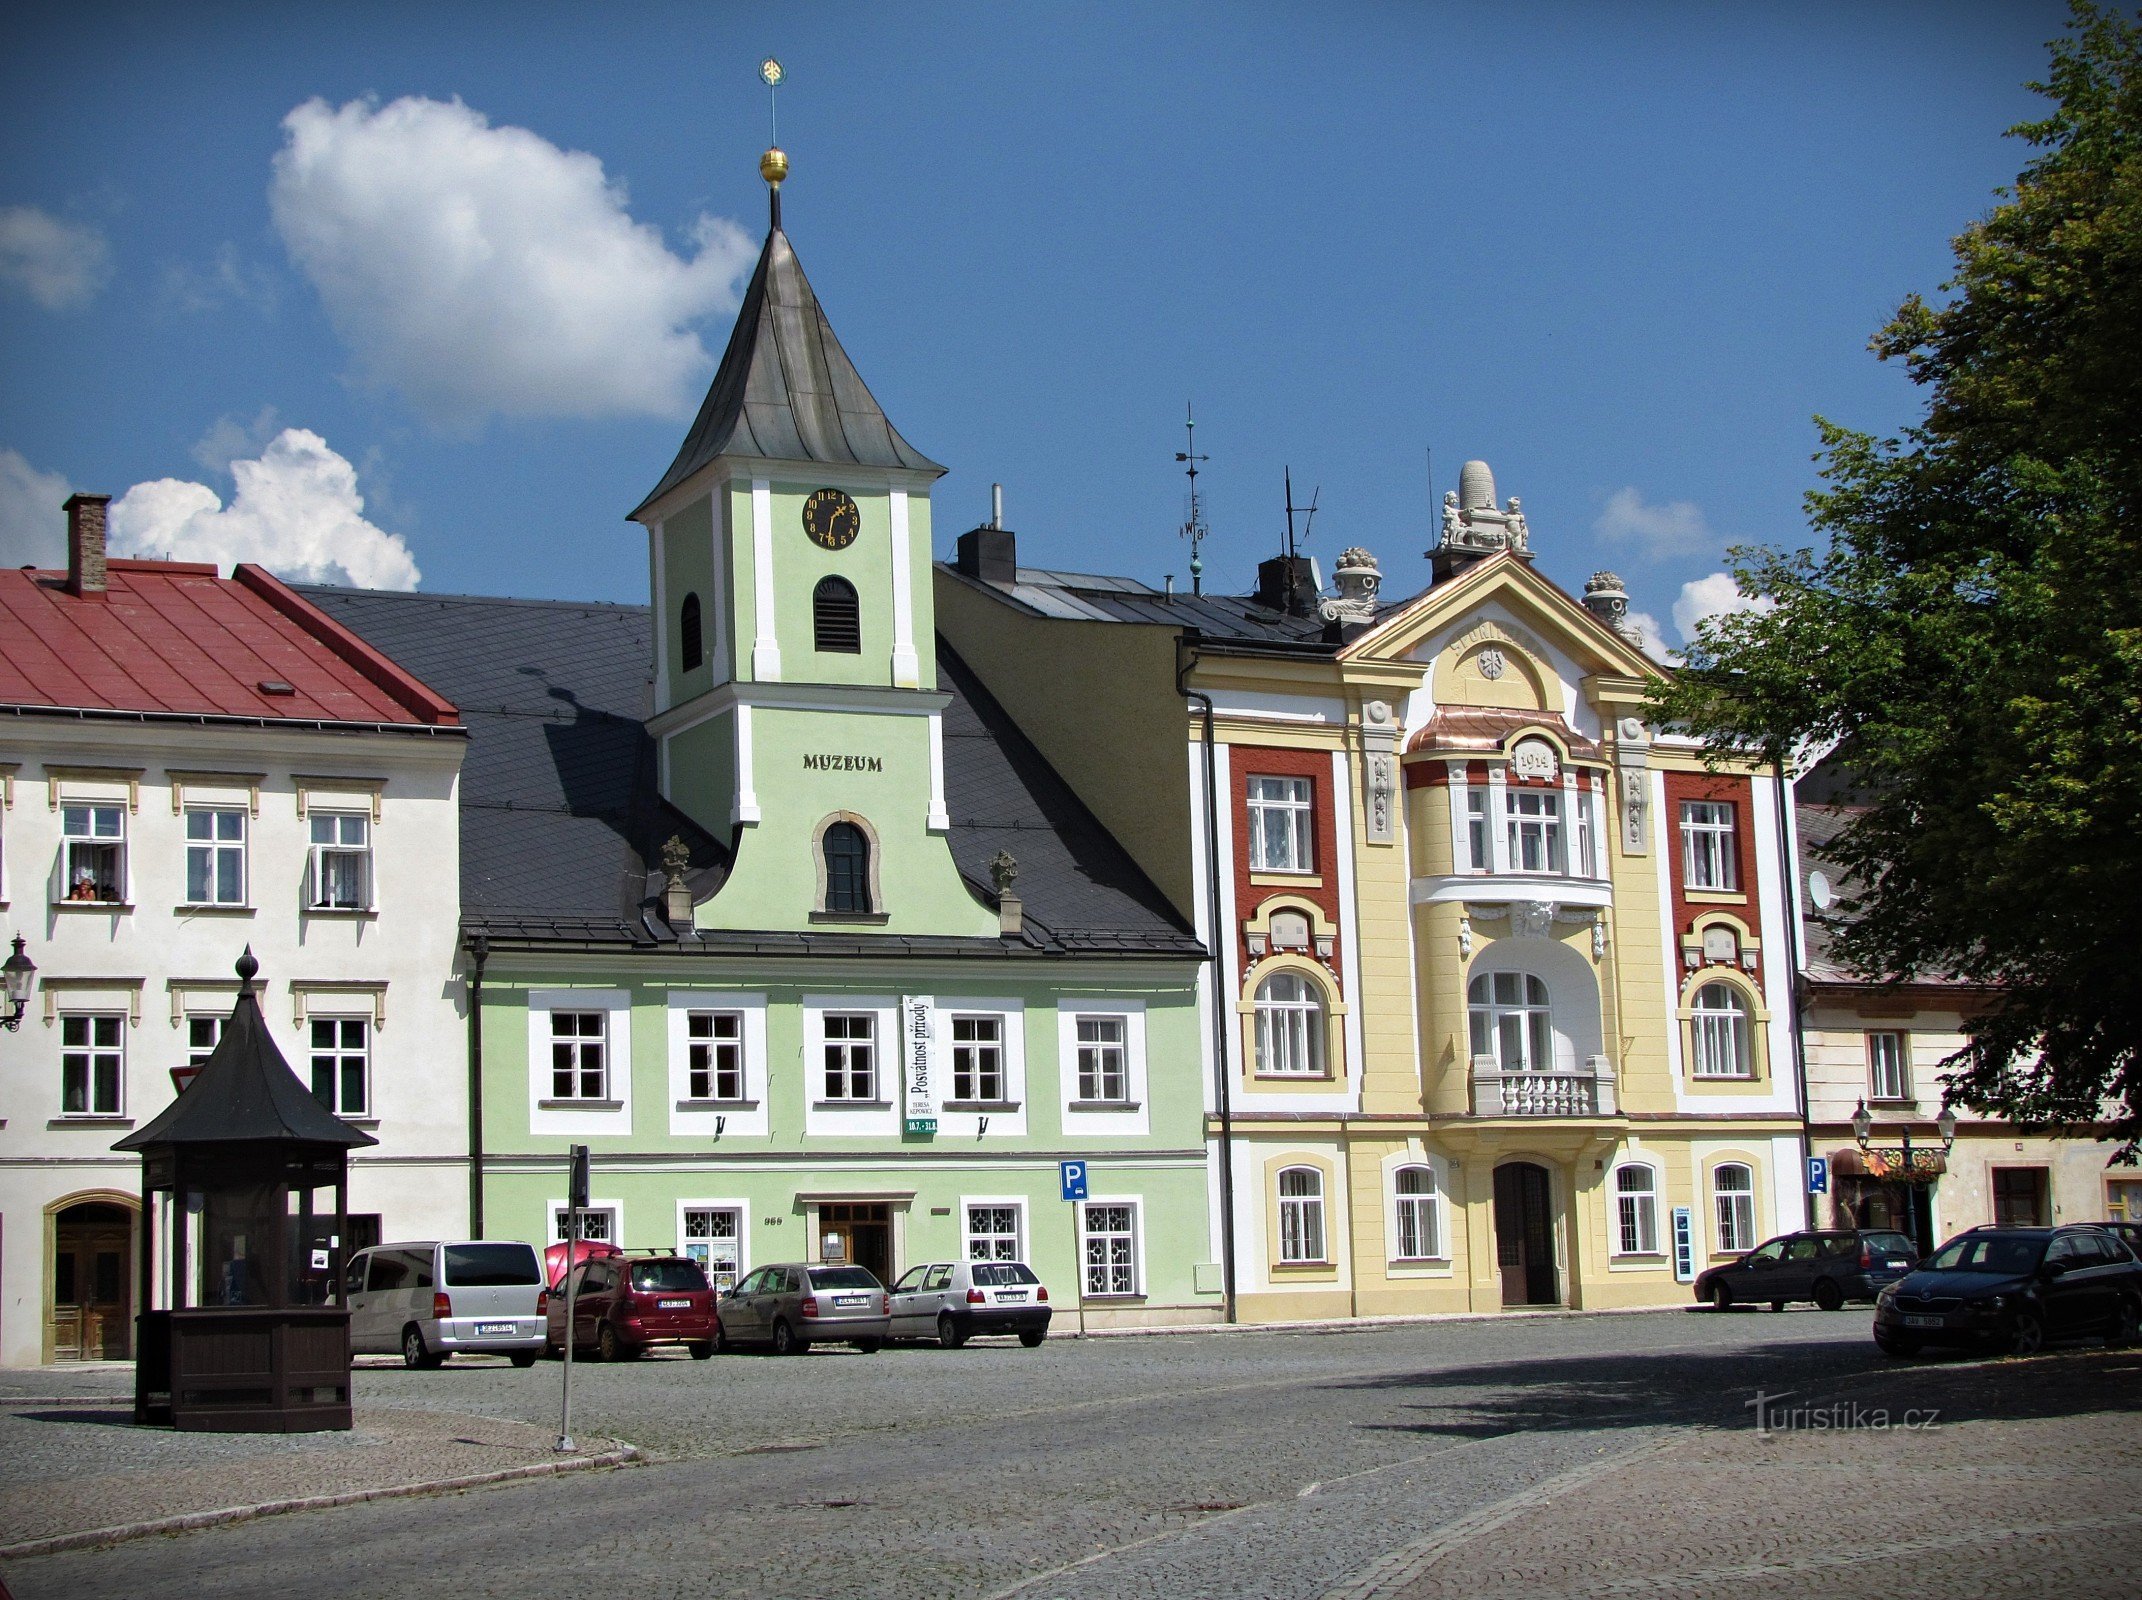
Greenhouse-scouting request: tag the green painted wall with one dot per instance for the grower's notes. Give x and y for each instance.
(688, 568)
(702, 772)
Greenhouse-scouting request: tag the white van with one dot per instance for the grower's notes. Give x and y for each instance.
(435, 1298)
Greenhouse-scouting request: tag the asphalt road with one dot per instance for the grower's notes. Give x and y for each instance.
(1273, 1465)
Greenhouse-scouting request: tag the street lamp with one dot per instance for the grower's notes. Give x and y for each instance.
(20, 972)
(1863, 1130)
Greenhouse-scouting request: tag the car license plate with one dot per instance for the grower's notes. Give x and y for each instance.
(1922, 1322)
(851, 1299)
(1004, 1296)
(673, 1305)
(483, 1328)
(1900, 1264)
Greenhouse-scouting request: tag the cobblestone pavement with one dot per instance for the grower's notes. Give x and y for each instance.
(1251, 1464)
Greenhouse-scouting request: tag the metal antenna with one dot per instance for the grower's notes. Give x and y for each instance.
(1193, 528)
(1294, 545)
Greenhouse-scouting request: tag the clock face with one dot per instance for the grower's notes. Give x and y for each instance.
(830, 518)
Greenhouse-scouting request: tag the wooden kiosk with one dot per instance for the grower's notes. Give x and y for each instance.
(252, 1174)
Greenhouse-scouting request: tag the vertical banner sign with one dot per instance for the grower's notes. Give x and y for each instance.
(1684, 1245)
(918, 1025)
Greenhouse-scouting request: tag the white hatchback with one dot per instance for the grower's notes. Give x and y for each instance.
(950, 1301)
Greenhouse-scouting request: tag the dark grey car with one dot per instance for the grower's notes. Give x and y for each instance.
(1827, 1266)
(793, 1305)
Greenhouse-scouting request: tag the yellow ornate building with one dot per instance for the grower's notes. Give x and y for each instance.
(1499, 1011)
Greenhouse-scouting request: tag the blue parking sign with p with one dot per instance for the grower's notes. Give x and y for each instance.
(1818, 1174)
(1073, 1174)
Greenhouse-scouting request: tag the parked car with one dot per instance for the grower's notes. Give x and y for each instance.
(950, 1301)
(1827, 1266)
(555, 1262)
(2013, 1289)
(793, 1305)
(622, 1306)
(431, 1299)
(2128, 1233)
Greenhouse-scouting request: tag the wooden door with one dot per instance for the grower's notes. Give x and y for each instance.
(857, 1234)
(1524, 1236)
(92, 1299)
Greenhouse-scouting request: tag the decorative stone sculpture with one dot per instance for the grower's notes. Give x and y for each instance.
(1003, 870)
(1379, 770)
(1534, 758)
(1606, 599)
(1359, 579)
(1473, 523)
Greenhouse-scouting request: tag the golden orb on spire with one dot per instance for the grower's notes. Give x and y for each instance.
(773, 166)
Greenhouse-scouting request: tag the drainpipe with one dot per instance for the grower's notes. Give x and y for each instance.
(1184, 660)
(1791, 909)
(479, 953)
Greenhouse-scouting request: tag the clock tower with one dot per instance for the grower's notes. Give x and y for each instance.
(795, 684)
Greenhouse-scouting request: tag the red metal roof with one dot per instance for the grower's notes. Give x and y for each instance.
(172, 637)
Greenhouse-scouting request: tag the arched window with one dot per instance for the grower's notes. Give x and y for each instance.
(690, 650)
(1301, 1214)
(1290, 1027)
(836, 618)
(1510, 1021)
(1636, 1197)
(1733, 1192)
(847, 857)
(1720, 1015)
(1420, 1232)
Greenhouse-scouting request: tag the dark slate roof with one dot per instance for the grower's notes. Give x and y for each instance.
(786, 390)
(1219, 618)
(561, 826)
(245, 1093)
(1817, 824)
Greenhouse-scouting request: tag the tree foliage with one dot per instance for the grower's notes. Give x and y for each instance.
(1972, 634)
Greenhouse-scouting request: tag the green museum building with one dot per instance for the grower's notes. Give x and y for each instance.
(769, 903)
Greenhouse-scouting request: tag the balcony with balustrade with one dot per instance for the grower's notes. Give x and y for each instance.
(1586, 1091)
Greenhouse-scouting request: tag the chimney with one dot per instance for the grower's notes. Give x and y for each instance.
(990, 554)
(1289, 584)
(85, 543)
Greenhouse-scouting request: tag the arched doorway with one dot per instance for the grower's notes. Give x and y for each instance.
(1524, 1235)
(89, 1313)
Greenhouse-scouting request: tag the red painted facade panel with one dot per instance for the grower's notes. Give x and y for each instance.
(1263, 761)
(1738, 793)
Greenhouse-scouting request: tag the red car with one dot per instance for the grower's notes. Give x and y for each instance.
(584, 1250)
(624, 1305)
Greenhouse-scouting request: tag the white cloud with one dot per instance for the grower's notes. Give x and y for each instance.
(1655, 645)
(296, 511)
(1664, 531)
(60, 265)
(33, 527)
(481, 269)
(1714, 596)
(227, 439)
(229, 278)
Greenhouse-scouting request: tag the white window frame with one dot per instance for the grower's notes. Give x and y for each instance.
(321, 853)
(1584, 858)
(1534, 1019)
(1118, 1280)
(700, 1247)
(339, 1052)
(1102, 1062)
(1419, 1212)
(1710, 846)
(1722, 1041)
(1636, 1210)
(91, 1052)
(1888, 1064)
(712, 1032)
(588, 1052)
(971, 1050)
(1293, 1035)
(869, 1076)
(549, 1116)
(1131, 1115)
(1531, 815)
(1013, 1206)
(86, 837)
(1282, 823)
(1733, 1210)
(873, 1118)
(1479, 828)
(614, 1209)
(1300, 1232)
(197, 1023)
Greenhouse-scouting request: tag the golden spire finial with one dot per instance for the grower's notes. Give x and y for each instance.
(773, 166)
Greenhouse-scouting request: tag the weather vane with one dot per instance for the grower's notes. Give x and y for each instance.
(1193, 527)
(770, 74)
(773, 166)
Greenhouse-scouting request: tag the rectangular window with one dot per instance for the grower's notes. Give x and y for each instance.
(341, 861)
(1282, 825)
(1636, 1200)
(1708, 857)
(1476, 829)
(1419, 1226)
(93, 1065)
(978, 1059)
(1102, 1074)
(1535, 829)
(1585, 865)
(851, 1056)
(203, 1034)
(992, 1233)
(714, 1065)
(714, 1237)
(596, 1222)
(95, 853)
(579, 1055)
(215, 857)
(1887, 1075)
(2021, 1197)
(341, 1061)
(1109, 1254)
(1301, 1215)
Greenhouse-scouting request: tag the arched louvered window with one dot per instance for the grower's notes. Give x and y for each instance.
(847, 854)
(691, 650)
(836, 617)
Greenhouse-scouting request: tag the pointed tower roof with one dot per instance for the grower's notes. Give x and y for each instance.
(245, 1092)
(786, 390)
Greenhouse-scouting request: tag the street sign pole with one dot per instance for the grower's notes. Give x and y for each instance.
(576, 1196)
(1072, 1175)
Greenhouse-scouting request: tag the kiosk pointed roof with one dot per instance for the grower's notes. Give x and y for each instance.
(786, 390)
(245, 1092)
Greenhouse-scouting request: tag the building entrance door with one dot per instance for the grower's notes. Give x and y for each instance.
(858, 1234)
(92, 1301)
(1524, 1235)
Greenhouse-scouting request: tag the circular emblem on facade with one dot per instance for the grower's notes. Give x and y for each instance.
(1534, 758)
(831, 519)
(1377, 711)
(1632, 727)
(1492, 663)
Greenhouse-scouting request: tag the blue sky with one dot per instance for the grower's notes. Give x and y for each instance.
(471, 265)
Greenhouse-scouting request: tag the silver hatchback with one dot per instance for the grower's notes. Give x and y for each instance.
(950, 1301)
(793, 1305)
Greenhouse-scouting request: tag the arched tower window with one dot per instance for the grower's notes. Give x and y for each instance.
(690, 648)
(1290, 1026)
(847, 857)
(836, 617)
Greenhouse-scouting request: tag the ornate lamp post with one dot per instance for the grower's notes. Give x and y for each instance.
(20, 972)
(1905, 1163)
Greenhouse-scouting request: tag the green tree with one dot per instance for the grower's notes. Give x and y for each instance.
(1972, 633)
